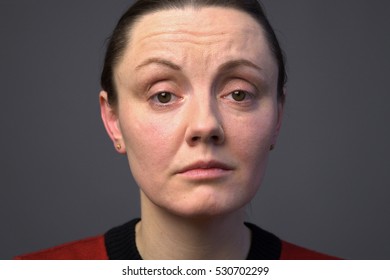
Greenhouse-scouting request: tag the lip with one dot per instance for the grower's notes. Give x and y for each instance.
(206, 170)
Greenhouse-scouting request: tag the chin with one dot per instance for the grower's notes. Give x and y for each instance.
(205, 207)
(204, 201)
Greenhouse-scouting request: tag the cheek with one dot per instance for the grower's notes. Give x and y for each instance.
(252, 152)
(150, 142)
(251, 136)
(250, 141)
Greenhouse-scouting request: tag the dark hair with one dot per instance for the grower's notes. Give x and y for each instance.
(120, 36)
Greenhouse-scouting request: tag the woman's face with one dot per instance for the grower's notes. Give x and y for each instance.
(197, 109)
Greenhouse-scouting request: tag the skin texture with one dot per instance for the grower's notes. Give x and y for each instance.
(196, 60)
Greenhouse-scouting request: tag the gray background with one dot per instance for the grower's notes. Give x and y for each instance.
(327, 186)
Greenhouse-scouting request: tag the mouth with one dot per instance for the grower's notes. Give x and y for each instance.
(206, 170)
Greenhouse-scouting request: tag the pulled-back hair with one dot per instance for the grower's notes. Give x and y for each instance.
(121, 34)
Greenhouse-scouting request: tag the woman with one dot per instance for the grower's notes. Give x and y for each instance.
(193, 94)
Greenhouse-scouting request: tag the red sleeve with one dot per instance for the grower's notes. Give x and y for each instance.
(86, 249)
(294, 252)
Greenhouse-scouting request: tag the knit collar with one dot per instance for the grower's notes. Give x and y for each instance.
(120, 243)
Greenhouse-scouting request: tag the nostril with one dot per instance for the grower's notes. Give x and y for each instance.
(215, 138)
(210, 135)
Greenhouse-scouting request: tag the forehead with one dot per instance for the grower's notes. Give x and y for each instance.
(211, 34)
(206, 21)
(203, 18)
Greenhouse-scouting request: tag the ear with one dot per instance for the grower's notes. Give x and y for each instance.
(111, 122)
(280, 105)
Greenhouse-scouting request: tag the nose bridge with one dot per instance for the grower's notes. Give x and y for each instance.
(205, 111)
(204, 123)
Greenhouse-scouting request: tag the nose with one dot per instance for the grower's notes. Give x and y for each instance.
(204, 124)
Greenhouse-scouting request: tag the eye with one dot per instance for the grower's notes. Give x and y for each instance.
(164, 97)
(239, 95)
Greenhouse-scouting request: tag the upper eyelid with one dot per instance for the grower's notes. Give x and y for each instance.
(153, 83)
(174, 82)
(161, 85)
(242, 84)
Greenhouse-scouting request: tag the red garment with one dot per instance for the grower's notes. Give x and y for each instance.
(94, 249)
(86, 249)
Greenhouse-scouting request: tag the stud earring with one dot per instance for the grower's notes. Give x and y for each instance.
(118, 146)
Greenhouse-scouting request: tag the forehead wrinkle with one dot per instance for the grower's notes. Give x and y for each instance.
(187, 30)
(214, 42)
(183, 36)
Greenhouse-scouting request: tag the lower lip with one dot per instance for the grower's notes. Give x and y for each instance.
(206, 173)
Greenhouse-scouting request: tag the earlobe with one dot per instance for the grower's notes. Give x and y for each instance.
(111, 122)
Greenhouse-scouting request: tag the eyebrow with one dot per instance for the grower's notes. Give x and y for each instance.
(232, 64)
(225, 67)
(159, 61)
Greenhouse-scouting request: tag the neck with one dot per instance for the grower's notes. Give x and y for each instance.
(162, 235)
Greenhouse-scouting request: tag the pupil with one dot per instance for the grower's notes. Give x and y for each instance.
(239, 95)
(164, 97)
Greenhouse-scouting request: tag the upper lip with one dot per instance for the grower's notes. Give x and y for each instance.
(205, 165)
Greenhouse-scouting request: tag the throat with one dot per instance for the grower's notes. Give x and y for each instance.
(183, 238)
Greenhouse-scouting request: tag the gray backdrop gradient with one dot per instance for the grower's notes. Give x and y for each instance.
(327, 185)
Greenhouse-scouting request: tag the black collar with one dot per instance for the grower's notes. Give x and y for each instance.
(120, 243)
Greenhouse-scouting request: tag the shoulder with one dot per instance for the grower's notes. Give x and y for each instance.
(267, 246)
(86, 249)
(117, 243)
(291, 251)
